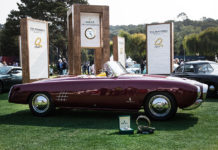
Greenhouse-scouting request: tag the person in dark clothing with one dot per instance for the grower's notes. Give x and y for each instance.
(64, 66)
(60, 66)
(84, 69)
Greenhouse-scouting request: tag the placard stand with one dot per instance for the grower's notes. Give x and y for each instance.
(119, 50)
(87, 30)
(35, 49)
(160, 48)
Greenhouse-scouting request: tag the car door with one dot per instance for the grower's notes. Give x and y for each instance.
(114, 93)
(203, 73)
(189, 71)
(108, 93)
(15, 76)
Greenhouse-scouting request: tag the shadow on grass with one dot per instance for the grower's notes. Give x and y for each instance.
(211, 100)
(71, 119)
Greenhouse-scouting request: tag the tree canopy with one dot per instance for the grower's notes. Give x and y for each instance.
(135, 45)
(53, 11)
(205, 43)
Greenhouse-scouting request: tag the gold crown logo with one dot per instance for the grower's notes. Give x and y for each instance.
(38, 42)
(159, 42)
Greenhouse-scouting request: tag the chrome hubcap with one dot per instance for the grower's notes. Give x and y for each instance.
(40, 103)
(159, 105)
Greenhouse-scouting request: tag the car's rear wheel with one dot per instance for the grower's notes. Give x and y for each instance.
(160, 106)
(41, 104)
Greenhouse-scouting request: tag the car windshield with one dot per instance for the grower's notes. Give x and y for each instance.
(215, 66)
(115, 67)
(4, 70)
(136, 66)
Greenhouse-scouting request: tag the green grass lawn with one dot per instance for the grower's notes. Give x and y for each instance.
(68, 129)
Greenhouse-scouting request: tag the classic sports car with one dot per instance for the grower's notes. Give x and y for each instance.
(9, 76)
(202, 71)
(159, 95)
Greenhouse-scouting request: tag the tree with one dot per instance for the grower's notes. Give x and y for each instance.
(182, 16)
(51, 10)
(204, 43)
(190, 44)
(135, 45)
(208, 42)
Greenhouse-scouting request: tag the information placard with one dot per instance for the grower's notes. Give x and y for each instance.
(121, 51)
(20, 51)
(38, 49)
(90, 30)
(159, 48)
(124, 122)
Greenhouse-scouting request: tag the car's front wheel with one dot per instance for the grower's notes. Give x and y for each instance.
(40, 104)
(160, 106)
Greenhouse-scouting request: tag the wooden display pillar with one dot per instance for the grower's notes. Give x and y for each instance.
(88, 27)
(35, 49)
(115, 48)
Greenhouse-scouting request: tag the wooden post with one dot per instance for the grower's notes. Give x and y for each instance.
(115, 48)
(25, 50)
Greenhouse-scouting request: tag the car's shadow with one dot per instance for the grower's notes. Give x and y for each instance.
(71, 119)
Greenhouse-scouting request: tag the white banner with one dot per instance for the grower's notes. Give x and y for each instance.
(20, 50)
(159, 49)
(121, 51)
(38, 49)
(90, 29)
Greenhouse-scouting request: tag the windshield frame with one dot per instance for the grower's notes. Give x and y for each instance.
(214, 66)
(116, 68)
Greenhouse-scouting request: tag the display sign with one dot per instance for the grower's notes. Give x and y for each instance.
(159, 48)
(35, 50)
(124, 122)
(124, 125)
(121, 51)
(90, 29)
(20, 51)
(38, 49)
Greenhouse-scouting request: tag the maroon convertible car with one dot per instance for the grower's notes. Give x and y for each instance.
(160, 96)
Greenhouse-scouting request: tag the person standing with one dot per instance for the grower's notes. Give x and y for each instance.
(60, 66)
(64, 66)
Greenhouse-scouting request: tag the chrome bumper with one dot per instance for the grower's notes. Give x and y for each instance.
(198, 102)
